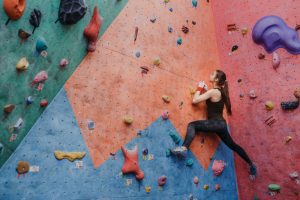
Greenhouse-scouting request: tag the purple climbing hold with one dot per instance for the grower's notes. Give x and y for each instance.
(273, 33)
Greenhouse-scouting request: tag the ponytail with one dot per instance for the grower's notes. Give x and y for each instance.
(225, 95)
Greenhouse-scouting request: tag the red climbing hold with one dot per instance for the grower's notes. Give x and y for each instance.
(92, 30)
(44, 103)
(131, 163)
(218, 167)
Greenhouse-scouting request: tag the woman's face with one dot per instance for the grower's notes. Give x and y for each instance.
(212, 77)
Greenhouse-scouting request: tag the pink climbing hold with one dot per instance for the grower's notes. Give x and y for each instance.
(218, 167)
(196, 180)
(40, 77)
(131, 163)
(63, 63)
(275, 60)
(162, 180)
(165, 115)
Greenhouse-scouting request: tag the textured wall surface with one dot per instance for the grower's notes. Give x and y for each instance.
(63, 42)
(57, 129)
(266, 146)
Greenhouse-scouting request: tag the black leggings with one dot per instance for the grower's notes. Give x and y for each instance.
(220, 128)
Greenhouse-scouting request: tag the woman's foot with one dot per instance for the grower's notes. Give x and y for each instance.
(252, 171)
(180, 151)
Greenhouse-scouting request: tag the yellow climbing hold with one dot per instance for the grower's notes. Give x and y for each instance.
(269, 105)
(148, 189)
(166, 1)
(22, 64)
(156, 61)
(166, 98)
(71, 156)
(127, 119)
(244, 31)
(205, 187)
(192, 90)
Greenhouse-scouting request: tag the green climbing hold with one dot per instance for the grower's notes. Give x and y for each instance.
(255, 197)
(189, 162)
(168, 153)
(176, 138)
(274, 187)
(179, 41)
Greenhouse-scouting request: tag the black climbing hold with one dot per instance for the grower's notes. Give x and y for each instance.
(289, 105)
(71, 11)
(145, 152)
(234, 48)
(239, 80)
(35, 19)
(193, 22)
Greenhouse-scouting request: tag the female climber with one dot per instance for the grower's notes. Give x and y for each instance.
(215, 99)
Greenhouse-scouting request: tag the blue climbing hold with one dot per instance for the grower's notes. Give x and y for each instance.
(41, 45)
(29, 100)
(1, 147)
(176, 138)
(194, 3)
(189, 162)
(171, 9)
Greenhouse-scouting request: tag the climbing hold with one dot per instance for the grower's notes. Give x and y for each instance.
(192, 90)
(145, 152)
(232, 27)
(171, 9)
(22, 167)
(18, 125)
(179, 41)
(275, 60)
(153, 19)
(294, 175)
(261, 56)
(205, 187)
(41, 45)
(239, 80)
(128, 119)
(241, 95)
(196, 180)
(63, 62)
(43, 103)
(131, 163)
(162, 180)
(71, 156)
(166, 1)
(168, 152)
(234, 48)
(1, 148)
(156, 61)
(297, 93)
(145, 70)
(148, 189)
(14, 9)
(270, 120)
(217, 187)
(244, 31)
(218, 167)
(166, 98)
(252, 94)
(136, 33)
(92, 30)
(269, 105)
(176, 138)
(273, 33)
(189, 162)
(35, 19)
(193, 22)
(287, 139)
(289, 105)
(165, 115)
(138, 54)
(23, 35)
(185, 29)
(9, 108)
(170, 29)
(29, 100)
(44, 54)
(91, 124)
(194, 3)
(39, 79)
(274, 187)
(71, 11)
(22, 64)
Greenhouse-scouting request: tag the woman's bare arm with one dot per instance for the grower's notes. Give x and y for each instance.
(202, 97)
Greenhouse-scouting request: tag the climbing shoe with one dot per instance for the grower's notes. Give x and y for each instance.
(179, 151)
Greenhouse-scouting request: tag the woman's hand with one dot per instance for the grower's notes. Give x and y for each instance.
(202, 84)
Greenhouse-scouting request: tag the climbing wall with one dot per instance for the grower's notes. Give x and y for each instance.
(266, 145)
(62, 41)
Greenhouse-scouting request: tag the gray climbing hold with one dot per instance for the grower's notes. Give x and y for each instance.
(153, 19)
(170, 29)
(138, 54)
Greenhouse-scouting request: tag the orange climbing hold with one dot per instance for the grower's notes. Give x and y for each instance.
(131, 163)
(14, 8)
(92, 30)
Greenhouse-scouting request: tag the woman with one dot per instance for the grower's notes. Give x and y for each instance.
(215, 99)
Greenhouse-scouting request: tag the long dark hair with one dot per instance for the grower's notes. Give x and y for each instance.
(222, 82)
